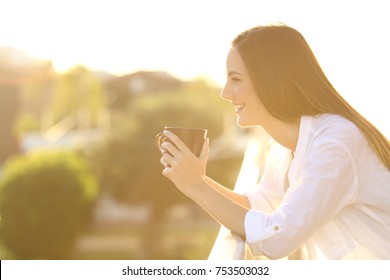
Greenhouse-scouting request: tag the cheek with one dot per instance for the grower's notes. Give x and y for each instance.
(241, 91)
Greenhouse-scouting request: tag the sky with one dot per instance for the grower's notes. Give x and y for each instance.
(191, 38)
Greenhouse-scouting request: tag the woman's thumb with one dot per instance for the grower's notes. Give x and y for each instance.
(205, 149)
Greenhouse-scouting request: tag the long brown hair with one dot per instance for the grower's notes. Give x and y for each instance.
(290, 82)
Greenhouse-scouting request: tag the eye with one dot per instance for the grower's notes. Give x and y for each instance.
(235, 79)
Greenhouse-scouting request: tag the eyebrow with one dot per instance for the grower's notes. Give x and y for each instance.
(234, 73)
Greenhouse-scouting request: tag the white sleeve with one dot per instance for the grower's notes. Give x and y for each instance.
(325, 183)
(265, 196)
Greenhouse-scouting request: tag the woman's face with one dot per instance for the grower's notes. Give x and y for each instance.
(240, 92)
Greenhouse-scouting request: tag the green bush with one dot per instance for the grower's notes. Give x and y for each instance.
(45, 201)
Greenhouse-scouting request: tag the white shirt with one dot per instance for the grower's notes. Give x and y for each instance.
(331, 200)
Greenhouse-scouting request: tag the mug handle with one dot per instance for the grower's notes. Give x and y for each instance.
(159, 139)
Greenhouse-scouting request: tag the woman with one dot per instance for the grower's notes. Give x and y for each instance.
(326, 187)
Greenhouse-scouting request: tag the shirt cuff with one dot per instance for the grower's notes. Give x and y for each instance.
(259, 227)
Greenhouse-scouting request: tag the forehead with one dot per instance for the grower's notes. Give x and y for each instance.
(234, 62)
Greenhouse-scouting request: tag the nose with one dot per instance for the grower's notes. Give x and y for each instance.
(226, 93)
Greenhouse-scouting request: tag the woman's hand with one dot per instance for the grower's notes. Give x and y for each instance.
(182, 167)
(187, 172)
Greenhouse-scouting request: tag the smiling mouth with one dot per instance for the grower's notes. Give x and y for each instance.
(238, 108)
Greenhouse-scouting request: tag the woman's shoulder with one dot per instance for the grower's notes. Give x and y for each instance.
(328, 119)
(334, 127)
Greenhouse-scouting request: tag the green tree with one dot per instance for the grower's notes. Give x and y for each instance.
(78, 89)
(9, 101)
(36, 96)
(46, 199)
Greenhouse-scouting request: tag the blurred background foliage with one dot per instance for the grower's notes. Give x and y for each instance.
(77, 88)
(45, 201)
(43, 197)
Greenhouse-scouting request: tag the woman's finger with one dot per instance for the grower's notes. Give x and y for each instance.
(166, 172)
(167, 160)
(204, 154)
(177, 141)
(170, 148)
(164, 163)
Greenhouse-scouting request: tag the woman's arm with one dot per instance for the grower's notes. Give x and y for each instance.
(238, 198)
(214, 199)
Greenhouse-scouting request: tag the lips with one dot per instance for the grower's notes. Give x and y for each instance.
(238, 108)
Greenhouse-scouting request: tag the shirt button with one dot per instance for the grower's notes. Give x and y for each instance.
(276, 228)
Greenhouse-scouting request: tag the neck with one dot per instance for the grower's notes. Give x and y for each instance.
(285, 133)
